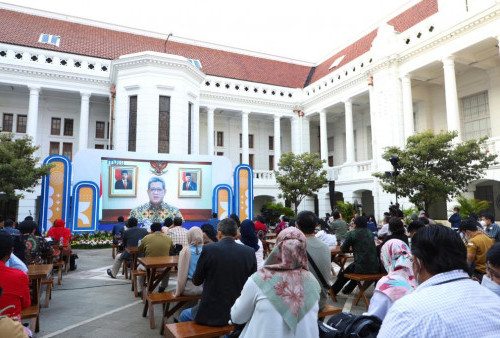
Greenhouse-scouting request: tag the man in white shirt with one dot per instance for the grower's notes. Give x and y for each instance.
(446, 298)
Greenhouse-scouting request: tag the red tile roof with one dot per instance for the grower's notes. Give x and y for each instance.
(401, 22)
(110, 44)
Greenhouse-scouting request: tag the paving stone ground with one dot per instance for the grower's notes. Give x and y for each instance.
(90, 304)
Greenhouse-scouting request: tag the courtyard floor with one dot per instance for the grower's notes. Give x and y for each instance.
(88, 303)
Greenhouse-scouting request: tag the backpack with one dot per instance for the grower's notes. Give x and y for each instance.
(350, 325)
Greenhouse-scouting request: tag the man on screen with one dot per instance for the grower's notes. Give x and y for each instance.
(125, 182)
(155, 210)
(189, 185)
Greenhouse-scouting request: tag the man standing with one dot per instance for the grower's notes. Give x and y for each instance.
(156, 244)
(455, 219)
(155, 210)
(317, 252)
(440, 268)
(477, 246)
(338, 226)
(223, 269)
(131, 238)
(124, 183)
(189, 184)
(492, 229)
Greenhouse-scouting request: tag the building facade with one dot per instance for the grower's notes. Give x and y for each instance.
(73, 84)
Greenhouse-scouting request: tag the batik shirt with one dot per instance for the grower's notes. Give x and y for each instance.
(36, 247)
(154, 214)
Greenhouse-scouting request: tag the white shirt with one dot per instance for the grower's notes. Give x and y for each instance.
(380, 304)
(259, 254)
(384, 230)
(448, 304)
(262, 319)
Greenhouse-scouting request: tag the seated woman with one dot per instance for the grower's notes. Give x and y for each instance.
(59, 233)
(400, 281)
(36, 247)
(188, 258)
(282, 225)
(249, 238)
(280, 299)
(209, 234)
(398, 231)
(365, 255)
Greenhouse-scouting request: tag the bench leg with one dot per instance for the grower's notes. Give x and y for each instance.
(362, 288)
(151, 315)
(59, 275)
(48, 291)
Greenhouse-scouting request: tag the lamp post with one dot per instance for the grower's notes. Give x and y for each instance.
(395, 173)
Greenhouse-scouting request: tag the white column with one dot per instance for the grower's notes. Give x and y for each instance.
(277, 141)
(31, 128)
(306, 135)
(195, 129)
(349, 132)
(450, 87)
(210, 130)
(323, 135)
(295, 136)
(83, 139)
(244, 137)
(407, 107)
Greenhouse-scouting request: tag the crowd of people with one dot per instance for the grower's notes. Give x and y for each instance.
(436, 278)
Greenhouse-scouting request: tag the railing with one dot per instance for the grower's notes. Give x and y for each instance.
(356, 170)
(264, 177)
(493, 145)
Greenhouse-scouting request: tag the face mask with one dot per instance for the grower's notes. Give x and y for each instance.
(483, 223)
(489, 284)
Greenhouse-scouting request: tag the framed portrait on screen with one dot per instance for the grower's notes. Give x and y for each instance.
(189, 183)
(123, 181)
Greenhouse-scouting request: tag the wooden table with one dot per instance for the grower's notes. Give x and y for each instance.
(153, 279)
(270, 235)
(36, 273)
(339, 257)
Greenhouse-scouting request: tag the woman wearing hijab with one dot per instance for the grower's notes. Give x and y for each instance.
(281, 298)
(249, 238)
(399, 281)
(188, 258)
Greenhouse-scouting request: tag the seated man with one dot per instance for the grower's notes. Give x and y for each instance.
(15, 283)
(492, 278)
(223, 269)
(156, 244)
(131, 238)
(178, 233)
(318, 252)
(117, 230)
(9, 327)
(477, 246)
(440, 268)
(339, 227)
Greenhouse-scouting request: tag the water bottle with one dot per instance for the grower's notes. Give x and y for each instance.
(61, 242)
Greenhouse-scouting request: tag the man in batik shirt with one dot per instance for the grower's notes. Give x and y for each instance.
(155, 210)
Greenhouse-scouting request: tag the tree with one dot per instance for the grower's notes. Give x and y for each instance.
(433, 166)
(299, 176)
(18, 166)
(471, 206)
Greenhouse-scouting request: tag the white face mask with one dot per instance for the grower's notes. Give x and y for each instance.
(489, 284)
(483, 223)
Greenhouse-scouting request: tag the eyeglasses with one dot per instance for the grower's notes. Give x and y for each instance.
(492, 272)
(156, 190)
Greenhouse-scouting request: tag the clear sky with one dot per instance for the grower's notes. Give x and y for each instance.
(305, 30)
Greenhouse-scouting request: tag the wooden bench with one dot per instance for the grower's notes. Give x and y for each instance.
(135, 275)
(33, 313)
(328, 310)
(114, 247)
(48, 289)
(59, 265)
(363, 281)
(165, 298)
(191, 329)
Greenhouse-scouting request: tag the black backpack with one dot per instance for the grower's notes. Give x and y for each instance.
(345, 325)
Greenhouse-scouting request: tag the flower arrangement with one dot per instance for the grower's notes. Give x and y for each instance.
(96, 240)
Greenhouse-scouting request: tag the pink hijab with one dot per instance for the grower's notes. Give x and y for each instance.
(285, 280)
(396, 258)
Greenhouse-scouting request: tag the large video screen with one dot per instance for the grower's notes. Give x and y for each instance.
(153, 190)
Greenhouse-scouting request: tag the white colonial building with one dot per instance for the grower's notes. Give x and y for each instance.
(73, 84)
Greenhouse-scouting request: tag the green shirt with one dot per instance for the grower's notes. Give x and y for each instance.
(156, 244)
(365, 253)
(339, 228)
(154, 214)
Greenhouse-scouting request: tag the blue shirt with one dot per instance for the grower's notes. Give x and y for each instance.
(15, 263)
(493, 231)
(449, 304)
(12, 231)
(455, 220)
(194, 260)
